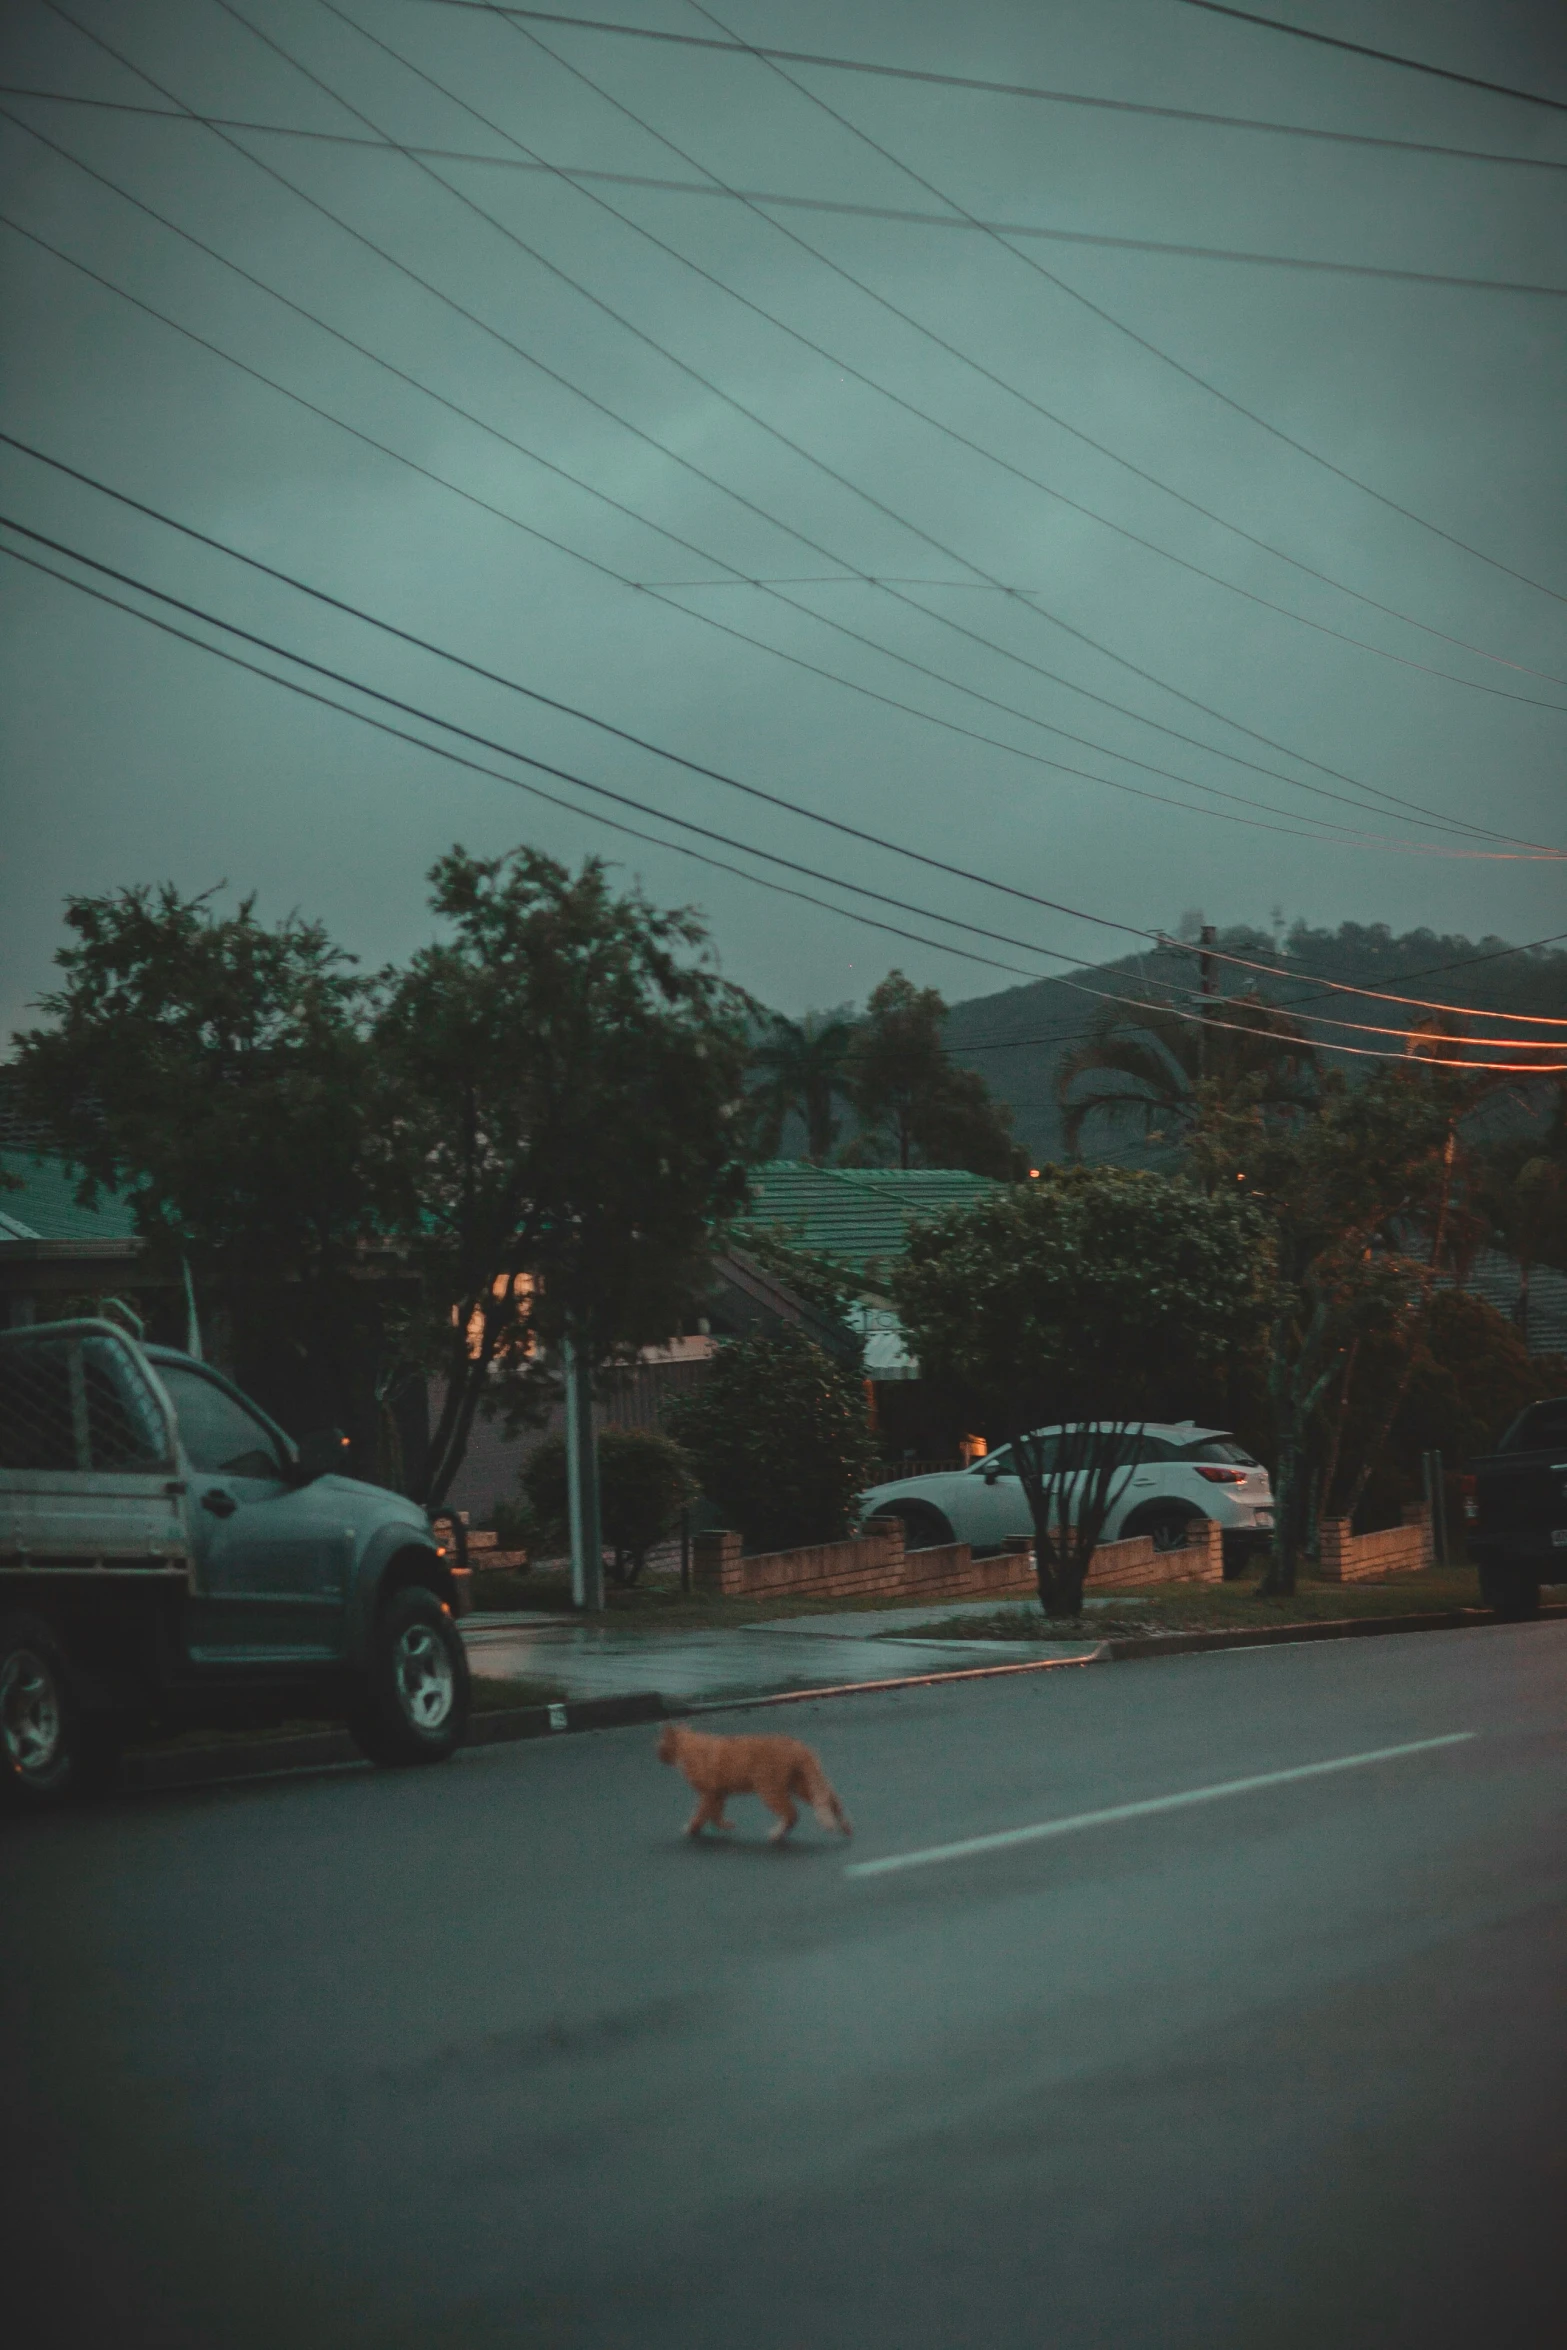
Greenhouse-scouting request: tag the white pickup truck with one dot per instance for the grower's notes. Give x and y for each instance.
(167, 1552)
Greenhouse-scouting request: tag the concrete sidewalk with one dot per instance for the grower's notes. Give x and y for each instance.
(799, 1652)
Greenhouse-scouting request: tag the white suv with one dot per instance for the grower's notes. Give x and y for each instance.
(1174, 1473)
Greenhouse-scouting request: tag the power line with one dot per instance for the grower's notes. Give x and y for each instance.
(797, 449)
(755, 198)
(586, 717)
(1427, 971)
(754, 201)
(1458, 826)
(1271, 24)
(988, 375)
(963, 81)
(623, 799)
(874, 383)
(723, 628)
(840, 208)
(1381, 995)
(1296, 1010)
(486, 742)
(478, 767)
(1143, 341)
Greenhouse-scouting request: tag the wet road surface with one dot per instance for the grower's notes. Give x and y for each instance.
(488, 2055)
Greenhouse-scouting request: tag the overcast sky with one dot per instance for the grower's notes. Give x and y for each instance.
(131, 757)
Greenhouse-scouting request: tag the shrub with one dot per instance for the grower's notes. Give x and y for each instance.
(514, 1525)
(644, 1483)
(780, 1437)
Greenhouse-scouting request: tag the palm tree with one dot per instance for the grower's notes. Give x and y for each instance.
(801, 1065)
(1144, 1064)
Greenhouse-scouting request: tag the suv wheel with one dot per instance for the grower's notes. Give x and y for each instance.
(49, 1748)
(1168, 1522)
(413, 1707)
(924, 1527)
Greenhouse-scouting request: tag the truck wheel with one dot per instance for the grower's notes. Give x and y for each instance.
(413, 1707)
(49, 1748)
(1512, 1592)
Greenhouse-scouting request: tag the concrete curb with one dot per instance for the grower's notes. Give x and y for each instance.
(1161, 1644)
(326, 1750)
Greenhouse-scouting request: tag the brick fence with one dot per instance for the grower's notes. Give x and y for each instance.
(1398, 1550)
(875, 1565)
(1135, 1564)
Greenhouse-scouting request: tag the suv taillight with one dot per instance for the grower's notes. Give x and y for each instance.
(1221, 1476)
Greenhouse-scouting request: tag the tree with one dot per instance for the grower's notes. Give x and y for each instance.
(1089, 1301)
(645, 1482)
(1521, 1199)
(220, 1073)
(1339, 1189)
(1460, 1378)
(913, 1101)
(1145, 1066)
(801, 1065)
(781, 1440)
(564, 1075)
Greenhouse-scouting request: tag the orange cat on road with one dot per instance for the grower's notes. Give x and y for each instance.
(776, 1769)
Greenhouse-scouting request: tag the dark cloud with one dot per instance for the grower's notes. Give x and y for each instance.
(129, 757)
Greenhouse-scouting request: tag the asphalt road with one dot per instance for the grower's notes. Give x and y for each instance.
(488, 2055)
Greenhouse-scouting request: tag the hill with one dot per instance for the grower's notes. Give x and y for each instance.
(1018, 1037)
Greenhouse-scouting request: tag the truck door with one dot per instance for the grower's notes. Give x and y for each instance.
(272, 1556)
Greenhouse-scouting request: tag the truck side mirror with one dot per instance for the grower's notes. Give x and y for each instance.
(320, 1453)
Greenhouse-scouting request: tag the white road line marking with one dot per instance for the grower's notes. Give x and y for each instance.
(1007, 1837)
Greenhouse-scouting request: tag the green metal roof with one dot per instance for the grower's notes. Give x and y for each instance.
(856, 1214)
(46, 1206)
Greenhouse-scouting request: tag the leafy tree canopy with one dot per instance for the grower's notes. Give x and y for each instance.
(1091, 1294)
(531, 1125)
(220, 1072)
(645, 1481)
(781, 1440)
(1146, 1065)
(1339, 1190)
(564, 1074)
(799, 1065)
(916, 1107)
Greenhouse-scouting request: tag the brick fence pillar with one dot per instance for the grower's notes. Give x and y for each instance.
(715, 1561)
(1206, 1536)
(893, 1535)
(1417, 1516)
(1335, 1540)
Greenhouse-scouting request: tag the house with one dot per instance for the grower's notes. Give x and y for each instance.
(860, 1217)
(55, 1255)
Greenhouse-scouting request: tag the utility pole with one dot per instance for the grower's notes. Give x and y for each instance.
(582, 1482)
(1207, 987)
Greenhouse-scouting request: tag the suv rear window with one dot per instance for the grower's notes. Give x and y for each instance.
(1542, 1426)
(1214, 1448)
